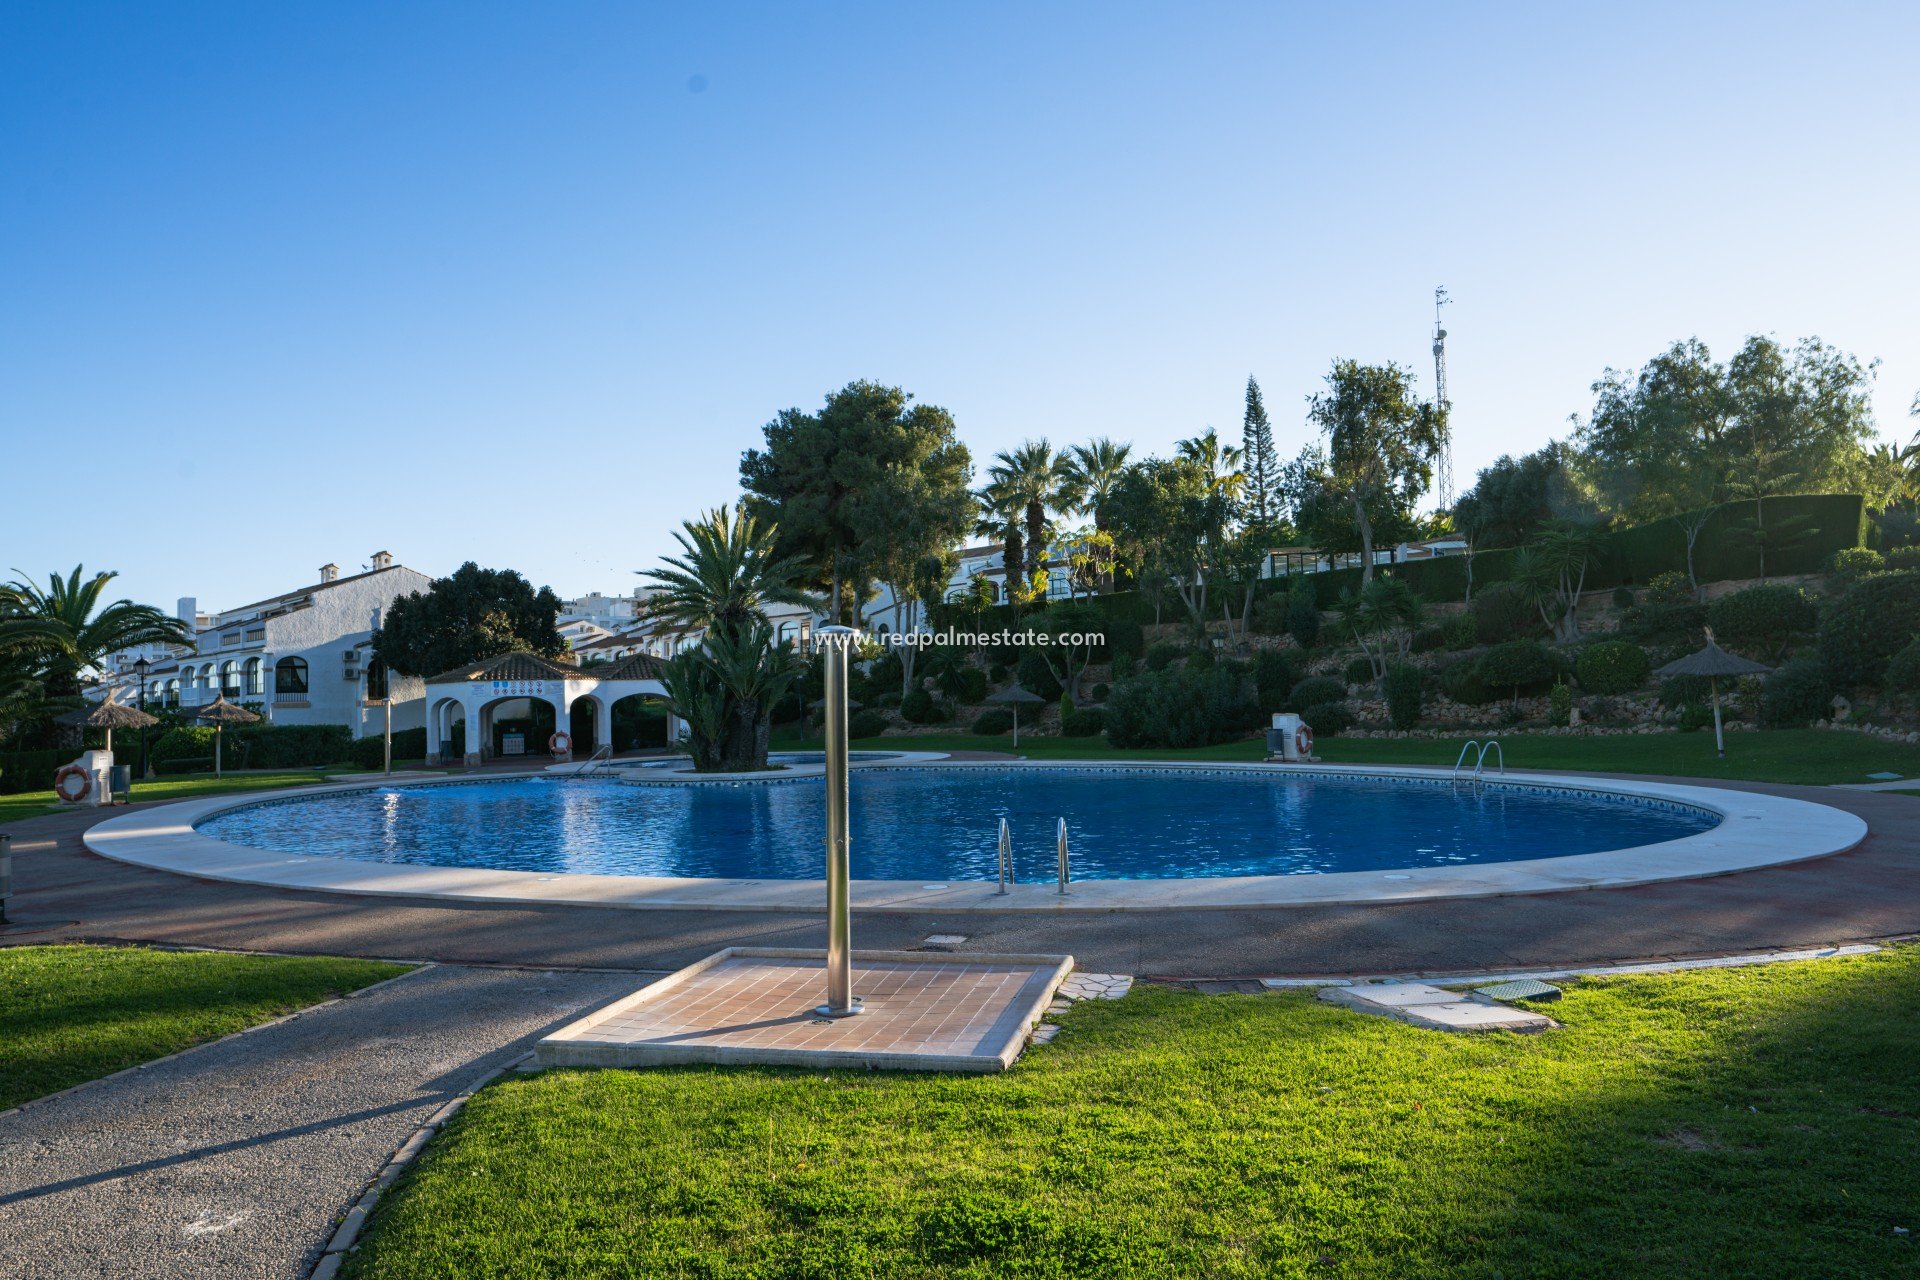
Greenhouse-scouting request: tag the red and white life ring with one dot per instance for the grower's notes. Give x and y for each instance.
(560, 744)
(1303, 740)
(72, 784)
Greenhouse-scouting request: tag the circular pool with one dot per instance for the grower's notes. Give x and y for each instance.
(941, 824)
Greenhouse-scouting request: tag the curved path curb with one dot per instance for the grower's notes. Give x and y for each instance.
(1756, 830)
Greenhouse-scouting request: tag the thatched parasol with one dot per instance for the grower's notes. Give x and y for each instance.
(220, 713)
(110, 715)
(1015, 696)
(1713, 662)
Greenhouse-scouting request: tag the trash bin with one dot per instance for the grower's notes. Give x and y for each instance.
(120, 783)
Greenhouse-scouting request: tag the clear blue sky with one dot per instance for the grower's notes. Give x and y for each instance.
(518, 283)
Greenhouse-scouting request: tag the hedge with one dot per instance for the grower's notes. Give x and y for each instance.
(31, 770)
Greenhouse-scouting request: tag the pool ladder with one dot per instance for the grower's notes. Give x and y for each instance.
(1480, 760)
(602, 755)
(1006, 857)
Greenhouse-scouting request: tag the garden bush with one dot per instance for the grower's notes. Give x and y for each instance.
(1359, 671)
(1315, 689)
(1403, 696)
(866, 724)
(30, 770)
(1427, 639)
(1765, 617)
(1678, 691)
(1461, 630)
(1797, 694)
(1303, 613)
(1101, 690)
(1181, 707)
(1273, 678)
(1864, 626)
(1502, 613)
(1519, 665)
(1623, 598)
(1035, 675)
(1560, 705)
(1163, 653)
(1670, 587)
(1270, 614)
(1903, 558)
(964, 684)
(921, 707)
(992, 721)
(1694, 717)
(1462, 683)
(408, 744)
(1656, 623)
(1328, 719)
(1903, 671)
(1083, 722)
(1124, 638)
(1612, 666)
(1850, 564)
(1124, 666)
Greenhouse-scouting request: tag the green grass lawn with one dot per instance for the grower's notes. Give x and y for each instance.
(1730, 1123)
(33, 804)
(72, 1013)
(1787, 755)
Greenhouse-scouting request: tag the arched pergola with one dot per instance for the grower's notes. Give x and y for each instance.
(471, 694)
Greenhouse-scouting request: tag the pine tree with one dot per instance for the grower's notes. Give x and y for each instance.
(1261, 463)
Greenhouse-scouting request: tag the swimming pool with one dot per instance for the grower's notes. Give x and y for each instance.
(941, 824)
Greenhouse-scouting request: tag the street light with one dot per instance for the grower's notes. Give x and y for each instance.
(140, 667)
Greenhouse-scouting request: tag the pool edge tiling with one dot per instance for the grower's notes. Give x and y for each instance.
(1757, 830)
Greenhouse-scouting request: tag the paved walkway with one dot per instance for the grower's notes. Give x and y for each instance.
(66, 892)
(232, 1161)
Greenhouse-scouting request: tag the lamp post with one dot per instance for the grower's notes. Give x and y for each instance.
(841, 1001)
(140, 667)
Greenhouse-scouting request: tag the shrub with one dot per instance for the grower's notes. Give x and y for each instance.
(1461, 631)
(1502, 613)
(997, 673)
(1560, 705)
(1518, 665)
(866, 724)
(1035, 675)
(1427, 639)
(1273, 678)
(1850, 564)
(408, 744)
(1863, 627)
(1798, 693)
(1200, 659)
(1623, 598)
(1162, 654)
(1083, 722)
(993, 721)
(1654, 623)
(1403, 696)
(1768, 616)
(1695, 716)
(1678, 691)
(1315, 689)
(1903, 670)
(1101, 690)
(32, 770)
(1670, 587)
(964, 684)
(921, 707)
(1359, 671)
(1328, 719)
(1124, 666)
(1125, 639)
(1181, 707)
(1303, 614)
(1612, 666)
(1903, 558)
(1270, 613)
(1462, 683)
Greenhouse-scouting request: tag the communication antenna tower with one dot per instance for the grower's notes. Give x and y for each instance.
(1445, 469)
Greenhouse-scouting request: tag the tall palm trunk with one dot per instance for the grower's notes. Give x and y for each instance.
(1036, 536)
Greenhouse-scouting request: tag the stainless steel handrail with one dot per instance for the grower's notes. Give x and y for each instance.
(1493, 744)
(1006, 856)
(1461, 762)
(601, 753)
(1060, 847)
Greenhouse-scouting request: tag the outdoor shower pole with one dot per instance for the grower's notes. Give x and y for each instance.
(840, 998)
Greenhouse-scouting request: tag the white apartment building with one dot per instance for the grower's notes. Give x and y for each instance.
(301, 657)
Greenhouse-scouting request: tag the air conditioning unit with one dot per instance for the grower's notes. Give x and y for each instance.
(351, 673)
(350, 656)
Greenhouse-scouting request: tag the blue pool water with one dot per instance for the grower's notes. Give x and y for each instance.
(937, 825)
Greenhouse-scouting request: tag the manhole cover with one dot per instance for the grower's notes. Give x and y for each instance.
(1520, 989)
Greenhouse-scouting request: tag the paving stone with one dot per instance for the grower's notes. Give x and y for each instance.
(1401, 995)
(1450, 1014)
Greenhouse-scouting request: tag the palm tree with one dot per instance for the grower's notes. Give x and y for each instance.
(1036, 476)
(726, 575)
(1092, 471)
(63, 630)
(1000, 515)
(1220, 462)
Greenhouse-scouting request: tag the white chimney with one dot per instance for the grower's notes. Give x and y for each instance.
(329, 573)
(187, 609)
(383, 560)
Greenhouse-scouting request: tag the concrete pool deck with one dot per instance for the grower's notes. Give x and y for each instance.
(1756, 830)
(1871, 892)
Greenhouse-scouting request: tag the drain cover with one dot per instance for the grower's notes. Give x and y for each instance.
(1520, 989)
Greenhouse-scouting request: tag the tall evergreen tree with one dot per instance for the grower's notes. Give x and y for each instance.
(1261, 463)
